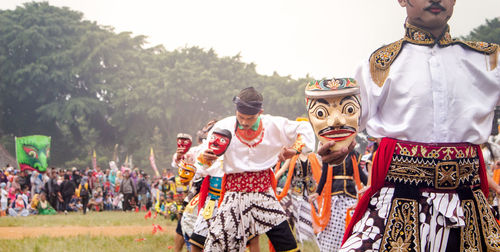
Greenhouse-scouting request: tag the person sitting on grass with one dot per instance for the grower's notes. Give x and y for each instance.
(44, 207)
(75, 204)
(19, 207)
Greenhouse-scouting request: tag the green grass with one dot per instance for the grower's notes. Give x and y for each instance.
(161, 241)
(117, 218)
(90, 243)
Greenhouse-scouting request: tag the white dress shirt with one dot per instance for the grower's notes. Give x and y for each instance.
(432, 94)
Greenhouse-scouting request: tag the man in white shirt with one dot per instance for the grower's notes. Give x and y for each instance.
(248, 205)
(431, 100)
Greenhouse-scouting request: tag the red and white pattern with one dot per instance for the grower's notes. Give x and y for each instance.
(248, 181)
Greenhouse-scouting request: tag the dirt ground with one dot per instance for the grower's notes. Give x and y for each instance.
(22, 232)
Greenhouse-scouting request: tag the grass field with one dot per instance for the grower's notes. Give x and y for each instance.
(59, 236)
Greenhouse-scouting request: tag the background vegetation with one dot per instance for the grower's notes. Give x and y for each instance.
(92, 88)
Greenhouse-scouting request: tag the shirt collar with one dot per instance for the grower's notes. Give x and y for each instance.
(254, 127)
(419, 36)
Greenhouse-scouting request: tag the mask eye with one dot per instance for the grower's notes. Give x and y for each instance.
(320, 112)
(222, 141)
(349, 109)
(31, 152)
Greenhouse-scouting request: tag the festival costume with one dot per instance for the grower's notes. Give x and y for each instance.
(295, 202)
(343, 195)
(249, 206)
(432, 100)
(333, 108)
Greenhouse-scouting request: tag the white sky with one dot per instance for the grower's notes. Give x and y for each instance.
(322, 38)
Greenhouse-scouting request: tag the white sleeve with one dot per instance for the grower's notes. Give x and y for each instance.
(291, 129)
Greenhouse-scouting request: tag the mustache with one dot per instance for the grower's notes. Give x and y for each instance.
(330, 128)
(434, 5)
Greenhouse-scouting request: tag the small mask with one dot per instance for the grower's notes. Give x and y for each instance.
(219, 141)
(184, 142)
(334, 109)
(186, 172)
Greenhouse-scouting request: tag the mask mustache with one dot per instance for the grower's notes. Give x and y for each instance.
(344, 127)
(435, 5)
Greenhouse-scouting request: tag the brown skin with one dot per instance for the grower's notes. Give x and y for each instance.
(334, 157)
(430, 15)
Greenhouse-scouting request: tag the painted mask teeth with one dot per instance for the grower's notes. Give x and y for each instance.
(338, 135)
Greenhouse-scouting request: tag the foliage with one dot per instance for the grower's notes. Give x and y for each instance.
(489, 32)
(91, 88)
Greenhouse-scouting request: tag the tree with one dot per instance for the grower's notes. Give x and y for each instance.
(489, 32)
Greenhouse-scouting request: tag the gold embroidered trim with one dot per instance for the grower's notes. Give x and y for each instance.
(489, 226)
(416, 35)
(382, 58)
(471, 238)
(401, 231)
(430, 173)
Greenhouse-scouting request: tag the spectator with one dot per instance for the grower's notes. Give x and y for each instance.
(44, 207)
(19, 207)
(74, 204)
(127, 187)
(67, 191)
(3, 199)
(143, 190)
(84, 192)
(75, 176)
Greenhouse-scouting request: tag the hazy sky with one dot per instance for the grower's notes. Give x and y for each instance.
(322, 38)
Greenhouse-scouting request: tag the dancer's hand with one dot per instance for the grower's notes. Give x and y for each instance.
(334, 157)
(209, 155)
(286, 153)
(313, 197)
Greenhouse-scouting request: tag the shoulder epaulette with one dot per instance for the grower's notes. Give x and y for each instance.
(490, 49)
(381, 60)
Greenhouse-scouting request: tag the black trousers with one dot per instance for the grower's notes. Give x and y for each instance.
(282, 238)
(85, 202)
(126, 201)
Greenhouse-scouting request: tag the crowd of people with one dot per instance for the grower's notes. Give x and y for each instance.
(58, 190)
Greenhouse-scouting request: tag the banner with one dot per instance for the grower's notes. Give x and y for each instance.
(33, 152)
(153, 163)
(94, 161)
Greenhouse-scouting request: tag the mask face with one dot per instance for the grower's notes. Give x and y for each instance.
(186, 172)
(335, 118)
(218, 143)
(184, 144)
(33, 152)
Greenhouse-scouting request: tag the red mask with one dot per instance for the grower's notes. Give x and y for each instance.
(218, 143)
(184, 144)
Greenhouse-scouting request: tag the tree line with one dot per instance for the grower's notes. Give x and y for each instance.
(90, 87)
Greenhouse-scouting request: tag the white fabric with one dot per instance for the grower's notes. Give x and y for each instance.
(432, 94)
(215, 170)
(279, 132)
